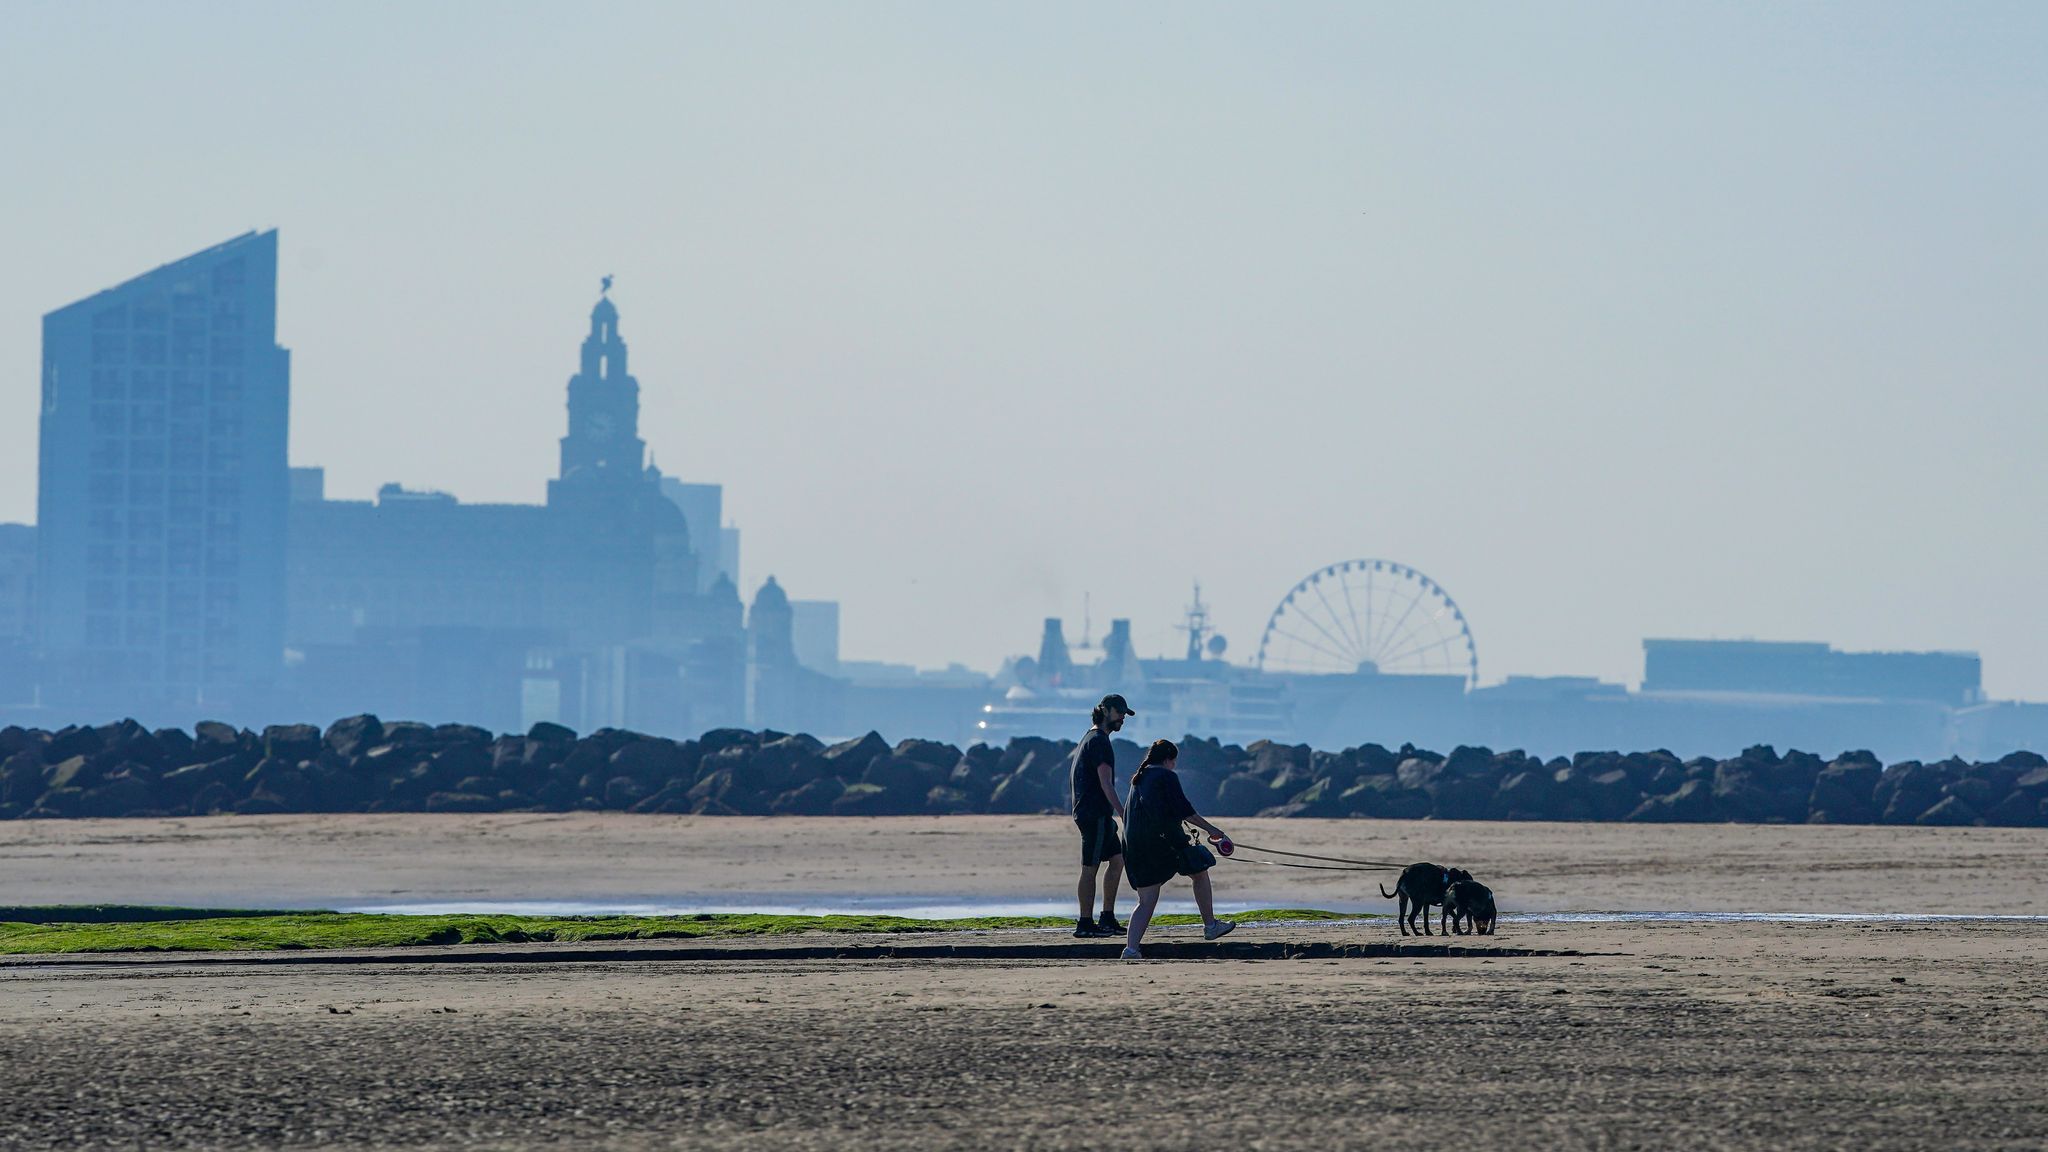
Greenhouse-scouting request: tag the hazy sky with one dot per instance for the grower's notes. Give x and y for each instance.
(1618, 320)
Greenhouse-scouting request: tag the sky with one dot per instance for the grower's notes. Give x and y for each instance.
(1618, 320)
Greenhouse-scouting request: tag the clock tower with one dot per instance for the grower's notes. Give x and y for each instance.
(604, 442)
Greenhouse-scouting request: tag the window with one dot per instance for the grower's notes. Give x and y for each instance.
(149, 349)
(146, 490)
(109, 419)
(227, 387)
(106, 488)
(181, 605)
(181, 553)
(145, 523)
(148, 384)
(108, 385)
(149, 420)
(187, 452)
(106, 455)
(109, 348)
(102, 631)
(228, 278)
(222, 596)
(115, 317)
(146, 455)
(144, 631)
(226, 421)
(224, 456)
(225, 348)
(187, 395)
(102, 596)
(144, 596)
(224, 491)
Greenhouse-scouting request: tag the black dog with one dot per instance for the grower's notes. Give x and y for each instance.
(1421, 887)
(1468, 907)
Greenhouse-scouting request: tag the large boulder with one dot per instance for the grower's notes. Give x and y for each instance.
(70, 742)
(1692, 803)
(653, 762)
(849, 758)
(1324, 798)
(1612, 793)
(548, 732)
(866, 800)
(812, 799)
(1843, 790)
(1950, 812)
(351, 736)
(1383, 798)
(461, 802)
(900, 774)
(1022, 791)
(292, 742)
(2016, 810)
(783, 764)
(1905, 791)
(1243, 794)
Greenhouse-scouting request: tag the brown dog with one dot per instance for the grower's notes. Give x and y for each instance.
(1468, 907)
(1420, 888)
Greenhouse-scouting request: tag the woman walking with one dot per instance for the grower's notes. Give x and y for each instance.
(1157, 848)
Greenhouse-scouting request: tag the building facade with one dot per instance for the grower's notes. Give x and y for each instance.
(589, 609)
(161, 509)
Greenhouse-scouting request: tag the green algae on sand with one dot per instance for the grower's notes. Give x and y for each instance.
(111, 928)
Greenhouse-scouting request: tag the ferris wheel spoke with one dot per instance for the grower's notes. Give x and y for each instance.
(1351, 639)
(1421, 648)
(1422, 627)
(1403, 621)
(1307, 643)
(1350, 609)
(1327, 634)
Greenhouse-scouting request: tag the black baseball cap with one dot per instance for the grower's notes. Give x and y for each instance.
(1117, 702)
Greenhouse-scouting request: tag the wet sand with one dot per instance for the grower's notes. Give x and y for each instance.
(1656, 1036)
(323, 861)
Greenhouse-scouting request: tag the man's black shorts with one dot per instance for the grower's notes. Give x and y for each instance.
(1099, 840)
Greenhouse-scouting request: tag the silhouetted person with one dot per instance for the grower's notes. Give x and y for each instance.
(1096, 809)
(1159, 846)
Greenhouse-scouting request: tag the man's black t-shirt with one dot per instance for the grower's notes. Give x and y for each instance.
(1094, 751)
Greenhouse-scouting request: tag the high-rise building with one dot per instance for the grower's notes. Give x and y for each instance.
(163, 488)
(814, 631)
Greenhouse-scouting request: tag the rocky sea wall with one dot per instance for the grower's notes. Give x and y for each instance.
(363, 764)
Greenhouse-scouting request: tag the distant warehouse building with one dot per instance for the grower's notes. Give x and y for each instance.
(1782, 669)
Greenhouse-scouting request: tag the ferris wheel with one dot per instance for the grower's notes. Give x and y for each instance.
(1369, 616)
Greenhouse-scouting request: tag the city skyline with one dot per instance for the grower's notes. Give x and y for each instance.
(1282, 332)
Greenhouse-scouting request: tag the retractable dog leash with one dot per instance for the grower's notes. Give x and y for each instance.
(1357, 865)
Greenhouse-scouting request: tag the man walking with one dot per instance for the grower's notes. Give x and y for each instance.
(1095, 801)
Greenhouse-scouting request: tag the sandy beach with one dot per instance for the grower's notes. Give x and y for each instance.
(1685, 1034)
(331, 860)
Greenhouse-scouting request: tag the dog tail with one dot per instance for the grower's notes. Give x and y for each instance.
(1385, 893)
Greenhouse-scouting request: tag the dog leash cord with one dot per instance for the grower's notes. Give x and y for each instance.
(1331, 859)
(1285, 864)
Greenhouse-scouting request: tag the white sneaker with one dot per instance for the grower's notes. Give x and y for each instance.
(1131, 953)
(1217, 929)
